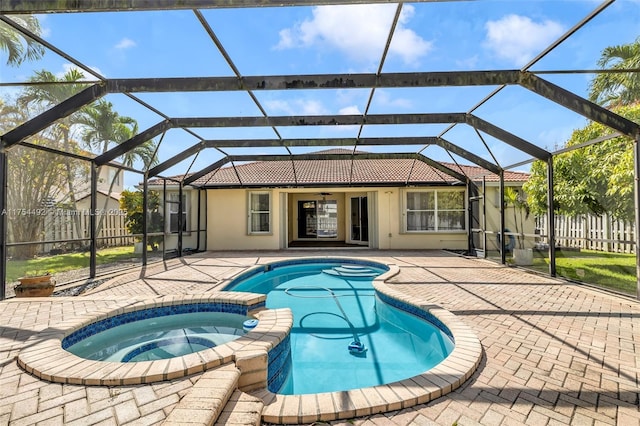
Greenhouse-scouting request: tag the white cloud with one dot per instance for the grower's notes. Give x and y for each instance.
(125, 43)
(297, 107)
(517, 39)
(384, 98)
(350, 110)
(358, 31)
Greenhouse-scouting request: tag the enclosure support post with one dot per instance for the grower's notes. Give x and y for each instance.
(206, 217)
(636, 193)
(4, 174)
(92, 220)
(551, 228)
(484, 216)
(470, 196)
(165, 207)
(145, 213)
(198, 231)
(503, 254)
(180, 221)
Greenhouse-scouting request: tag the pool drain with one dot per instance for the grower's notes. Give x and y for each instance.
(356, 347)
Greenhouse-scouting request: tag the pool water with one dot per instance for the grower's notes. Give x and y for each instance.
(161, 337)
(331, 312)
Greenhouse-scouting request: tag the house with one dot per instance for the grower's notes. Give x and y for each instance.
(383, 203)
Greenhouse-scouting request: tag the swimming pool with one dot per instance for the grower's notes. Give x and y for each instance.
(344, 336)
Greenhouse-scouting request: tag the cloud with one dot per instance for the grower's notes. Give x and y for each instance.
(517, 39)
(297, 107)
(125, 43)
(358, 31)
(383, 98)
(350, 110)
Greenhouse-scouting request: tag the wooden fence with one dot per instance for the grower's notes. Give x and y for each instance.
(61, 225)
(592, 233)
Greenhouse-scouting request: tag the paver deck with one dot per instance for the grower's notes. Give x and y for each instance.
(554, 353)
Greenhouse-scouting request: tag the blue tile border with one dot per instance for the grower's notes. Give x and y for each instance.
(279, 364)
(160, 311)
(416, 311)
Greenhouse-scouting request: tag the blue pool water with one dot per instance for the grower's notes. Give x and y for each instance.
(330, 313)
(161, 337)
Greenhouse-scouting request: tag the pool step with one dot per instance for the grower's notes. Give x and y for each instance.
(351, 271)
(207, 398)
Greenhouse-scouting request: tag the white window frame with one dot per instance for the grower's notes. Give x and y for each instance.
(172, 200)
(435, 210)
(251, 212)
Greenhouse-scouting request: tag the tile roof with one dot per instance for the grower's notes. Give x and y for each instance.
(339, 172)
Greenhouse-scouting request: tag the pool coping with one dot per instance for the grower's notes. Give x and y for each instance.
(46, 359)
(440, 380)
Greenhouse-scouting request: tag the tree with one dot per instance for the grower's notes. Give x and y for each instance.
(35, 177)
(595, 179)
(514, 198)
(132, 203)
(43, 97)
(18, 46)
(103, 126)
(611, 89)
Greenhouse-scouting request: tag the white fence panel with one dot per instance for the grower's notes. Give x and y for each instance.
(591, 233)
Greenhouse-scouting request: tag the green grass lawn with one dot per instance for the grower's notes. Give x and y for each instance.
(616, 271)
(66, 262)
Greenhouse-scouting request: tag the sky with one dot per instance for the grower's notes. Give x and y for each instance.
(441, 36)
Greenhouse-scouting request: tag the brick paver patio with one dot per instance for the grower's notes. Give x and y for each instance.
(554, 353)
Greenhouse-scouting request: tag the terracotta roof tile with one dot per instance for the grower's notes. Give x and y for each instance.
(340, 172)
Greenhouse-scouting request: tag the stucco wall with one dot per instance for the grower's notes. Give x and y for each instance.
(227, 220)
(493, 220)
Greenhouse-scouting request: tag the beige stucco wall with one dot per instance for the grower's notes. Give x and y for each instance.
(227, 220)
(493, 220)
(391, 235)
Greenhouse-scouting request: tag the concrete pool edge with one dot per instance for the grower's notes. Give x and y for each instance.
(445, 377)
(47, 360)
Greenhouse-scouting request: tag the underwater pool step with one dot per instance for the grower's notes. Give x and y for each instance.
(352, 272)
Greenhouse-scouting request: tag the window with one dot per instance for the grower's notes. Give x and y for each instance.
(259, 213)
(114, 177)
(173, 207)
(435, 210)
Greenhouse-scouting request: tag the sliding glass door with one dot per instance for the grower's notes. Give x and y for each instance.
(318, 219)
(359, 220)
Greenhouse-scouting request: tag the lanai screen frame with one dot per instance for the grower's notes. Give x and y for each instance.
(502, 78)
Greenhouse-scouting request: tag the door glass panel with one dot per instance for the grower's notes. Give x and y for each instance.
(364, 219)
(327, 219)
(355, 219)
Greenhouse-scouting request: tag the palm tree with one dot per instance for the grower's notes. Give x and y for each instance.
(613, 89)
(18, 46)
(104, 126)
(514, 198)
(46, 96)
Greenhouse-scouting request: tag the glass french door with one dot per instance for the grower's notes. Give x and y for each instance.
(359, 220)
(318, 219)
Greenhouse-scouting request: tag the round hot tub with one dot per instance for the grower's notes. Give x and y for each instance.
(148, 335)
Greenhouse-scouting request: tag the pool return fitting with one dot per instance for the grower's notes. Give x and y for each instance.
(356, 347)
